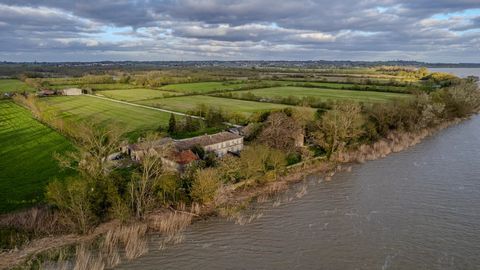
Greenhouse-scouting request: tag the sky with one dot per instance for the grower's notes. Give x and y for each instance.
(172, 30)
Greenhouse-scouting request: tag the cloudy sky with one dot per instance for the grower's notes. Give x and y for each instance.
(423, 30)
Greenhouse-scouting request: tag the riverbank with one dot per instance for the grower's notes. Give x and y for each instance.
(232, 199)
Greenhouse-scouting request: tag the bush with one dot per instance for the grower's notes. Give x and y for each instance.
(205, 185)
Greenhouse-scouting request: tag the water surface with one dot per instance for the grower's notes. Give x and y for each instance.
(418, 209)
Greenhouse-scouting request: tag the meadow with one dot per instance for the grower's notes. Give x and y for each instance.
(203, 87)
(98, 86)
(132, 119)
(136, 94)
(190, 103)
(13, 85)
(323, 94)
(26, 163)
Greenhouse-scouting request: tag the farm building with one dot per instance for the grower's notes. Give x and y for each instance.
(174, 159)
(219, 143)
(71, 91)
(179, 154)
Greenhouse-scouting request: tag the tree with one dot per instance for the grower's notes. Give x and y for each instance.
(143, 182)
(339, 127)
(94, 142)
(73, 200)
(281, 131)
(205, 185)
(172, 124)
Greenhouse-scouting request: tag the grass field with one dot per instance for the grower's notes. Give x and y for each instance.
(202, 87)
(131, 118)
(13, 85)
(348, 86)
(26, 163)
(189, 103)
(136, 94)
(99, 86)
(324, 94)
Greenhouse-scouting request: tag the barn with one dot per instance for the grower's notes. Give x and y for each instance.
(71, 91)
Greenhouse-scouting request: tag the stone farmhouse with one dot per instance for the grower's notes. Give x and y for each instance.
(178, 152)
(220, 143)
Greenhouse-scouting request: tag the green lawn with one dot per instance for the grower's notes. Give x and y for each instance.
(13, 85)
(131, 118)
(324, 94)
(189, 103)
(136, 94)
(203, 87)
(26, 163)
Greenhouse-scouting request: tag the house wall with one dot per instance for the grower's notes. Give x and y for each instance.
(72, 92)
(223, 148)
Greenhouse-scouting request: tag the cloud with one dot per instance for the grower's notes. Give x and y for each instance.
(441, 30)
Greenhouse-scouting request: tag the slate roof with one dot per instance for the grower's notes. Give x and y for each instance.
(206, 140)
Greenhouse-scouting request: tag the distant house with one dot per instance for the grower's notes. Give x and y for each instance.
(71, 91)
(219, 143)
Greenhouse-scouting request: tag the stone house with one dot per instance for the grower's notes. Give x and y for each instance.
(220, 143)
(179, 154)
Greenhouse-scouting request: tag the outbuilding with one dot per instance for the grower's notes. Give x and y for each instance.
(71, 91)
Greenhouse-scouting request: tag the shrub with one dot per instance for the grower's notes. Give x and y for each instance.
(205, 185)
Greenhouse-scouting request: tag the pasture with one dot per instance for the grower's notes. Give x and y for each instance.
(14, 85)
(132, 119)
(190, 103)
(323, 94)
(96, 87)
(203, 87)
(136, 94)
(26, 163)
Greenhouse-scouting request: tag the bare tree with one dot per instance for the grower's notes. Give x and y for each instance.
(281, 132)
(339, 126)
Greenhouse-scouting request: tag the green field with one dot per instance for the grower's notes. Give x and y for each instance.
(26, 163)
(203, 87)
(189, 103)
(99, 86)
(13, 85)
(324, 94)
(347, 86)
(131, 118)
(136, 94)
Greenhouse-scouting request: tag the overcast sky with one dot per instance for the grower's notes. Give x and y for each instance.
(423, 30)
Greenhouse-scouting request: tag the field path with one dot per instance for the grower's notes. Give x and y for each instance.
(156, 109)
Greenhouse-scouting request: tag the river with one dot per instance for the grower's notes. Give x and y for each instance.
(460, 72)
(417, 209)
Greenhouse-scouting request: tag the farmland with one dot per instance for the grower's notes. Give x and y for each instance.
(27, 164)
(203, 87)
(98, 86)
(131, 118)
(13, 85)
(190, 103)
(136, 94)
(323, 94)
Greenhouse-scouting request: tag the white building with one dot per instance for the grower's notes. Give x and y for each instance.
(71, 91)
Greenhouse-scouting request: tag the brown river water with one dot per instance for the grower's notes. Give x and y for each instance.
(417, 209)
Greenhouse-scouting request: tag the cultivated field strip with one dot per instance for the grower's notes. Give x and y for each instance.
(27, 163)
